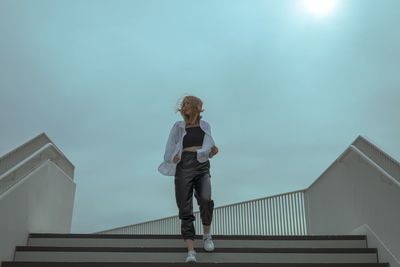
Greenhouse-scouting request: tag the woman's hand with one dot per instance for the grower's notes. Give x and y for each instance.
(214, 150)
(176, 158)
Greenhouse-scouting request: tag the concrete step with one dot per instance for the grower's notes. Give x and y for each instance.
(177, 255)
(139, 264)
(106, 240)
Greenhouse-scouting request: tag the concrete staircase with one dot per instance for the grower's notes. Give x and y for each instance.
(75, 250)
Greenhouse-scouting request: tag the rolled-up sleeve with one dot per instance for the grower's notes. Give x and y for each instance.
(171, 145)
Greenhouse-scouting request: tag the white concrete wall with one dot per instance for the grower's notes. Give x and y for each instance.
(352, 193)
(41, 202)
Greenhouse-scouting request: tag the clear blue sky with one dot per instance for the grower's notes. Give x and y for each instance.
(285, 92)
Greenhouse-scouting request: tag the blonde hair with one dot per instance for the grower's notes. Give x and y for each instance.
(195, 104)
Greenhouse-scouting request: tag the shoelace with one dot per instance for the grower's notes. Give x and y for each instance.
(207, 236)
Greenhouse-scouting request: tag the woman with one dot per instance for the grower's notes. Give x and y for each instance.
(191, 169)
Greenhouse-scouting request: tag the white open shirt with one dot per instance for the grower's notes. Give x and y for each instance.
(175, 146)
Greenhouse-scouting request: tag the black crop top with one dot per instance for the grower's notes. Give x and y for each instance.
(194, 137)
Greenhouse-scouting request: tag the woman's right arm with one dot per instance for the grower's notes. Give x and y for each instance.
(171, 145)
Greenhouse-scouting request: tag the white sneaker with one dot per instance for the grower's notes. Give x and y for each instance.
(191, 257)
(208, 244)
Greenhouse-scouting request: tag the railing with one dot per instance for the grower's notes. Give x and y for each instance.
(20, 153)
(282, 214)
(386, 162)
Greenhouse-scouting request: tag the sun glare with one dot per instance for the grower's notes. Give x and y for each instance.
(319, 7)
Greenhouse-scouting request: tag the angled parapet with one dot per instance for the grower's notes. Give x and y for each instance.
(359, 190)
(36, 192)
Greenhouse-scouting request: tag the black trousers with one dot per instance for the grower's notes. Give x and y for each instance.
(191, 174)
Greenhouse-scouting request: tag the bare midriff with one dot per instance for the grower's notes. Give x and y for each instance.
(192, 148)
